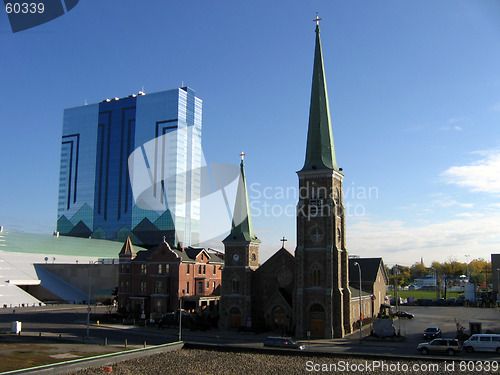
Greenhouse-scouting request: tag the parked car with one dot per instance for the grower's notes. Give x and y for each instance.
(404, 314)
(282, 342)
(432, 333)
(448, 346)
(483, 342)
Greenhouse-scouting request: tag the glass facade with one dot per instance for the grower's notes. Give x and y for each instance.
(132, 167)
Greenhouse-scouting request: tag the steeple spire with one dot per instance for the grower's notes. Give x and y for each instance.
(128, 249)
(242, 229)
(320, 153)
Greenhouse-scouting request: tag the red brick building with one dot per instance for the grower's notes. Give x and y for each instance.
(153, 282)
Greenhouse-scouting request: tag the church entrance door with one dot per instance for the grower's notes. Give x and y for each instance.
(235, 315)
(317, 320)
(317, 327)
(279, 319)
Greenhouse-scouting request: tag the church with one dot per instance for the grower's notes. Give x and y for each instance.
(316, 291)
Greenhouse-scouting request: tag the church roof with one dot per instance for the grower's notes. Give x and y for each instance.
(369, 269)
(320, 153)
(275, 257)
(242, 229)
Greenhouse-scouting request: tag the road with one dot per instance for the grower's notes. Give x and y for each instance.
(71, 320)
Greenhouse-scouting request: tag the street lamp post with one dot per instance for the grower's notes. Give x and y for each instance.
(396, 294)
(89, 296)
(436, 285)
(180, 318)
(467, 260)
(356, 264)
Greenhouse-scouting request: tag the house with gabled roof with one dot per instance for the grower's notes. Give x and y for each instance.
(374, 280)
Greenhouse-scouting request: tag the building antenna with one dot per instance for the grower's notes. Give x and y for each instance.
(182, 83)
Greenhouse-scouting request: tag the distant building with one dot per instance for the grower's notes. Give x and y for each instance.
(153, 140)
(428, 280)
(153, 282)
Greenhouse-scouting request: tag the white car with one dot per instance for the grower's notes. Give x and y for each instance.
(483, 343)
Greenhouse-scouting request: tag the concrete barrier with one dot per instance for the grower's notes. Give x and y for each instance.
(101, 360)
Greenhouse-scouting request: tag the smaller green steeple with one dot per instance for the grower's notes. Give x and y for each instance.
(242, 229)
(320, 153)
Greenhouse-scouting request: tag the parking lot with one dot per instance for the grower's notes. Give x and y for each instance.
(446, 318)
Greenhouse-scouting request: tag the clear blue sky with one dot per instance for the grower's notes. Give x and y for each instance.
(414, 90)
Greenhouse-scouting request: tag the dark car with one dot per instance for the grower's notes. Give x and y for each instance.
(448, 346)
(404, 314)
(282, 342)
(432, 333)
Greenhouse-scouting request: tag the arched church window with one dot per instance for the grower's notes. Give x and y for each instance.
(234, 311)
(316, 207)
(316, 276)
(235, 286)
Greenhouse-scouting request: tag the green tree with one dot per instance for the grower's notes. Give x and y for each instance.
(418, 270)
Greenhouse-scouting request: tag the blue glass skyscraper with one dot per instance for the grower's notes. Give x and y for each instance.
(131, 167)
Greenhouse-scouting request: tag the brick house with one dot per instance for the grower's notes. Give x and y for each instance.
(153, 282)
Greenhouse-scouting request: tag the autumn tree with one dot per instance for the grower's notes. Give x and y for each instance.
(478, 271)
(402, 273)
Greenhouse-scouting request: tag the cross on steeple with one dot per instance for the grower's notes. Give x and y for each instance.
(242, 155)
(317, 19)
(283, 240)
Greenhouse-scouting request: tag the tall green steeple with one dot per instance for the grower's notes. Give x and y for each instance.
(320, 153)
(242, 229)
